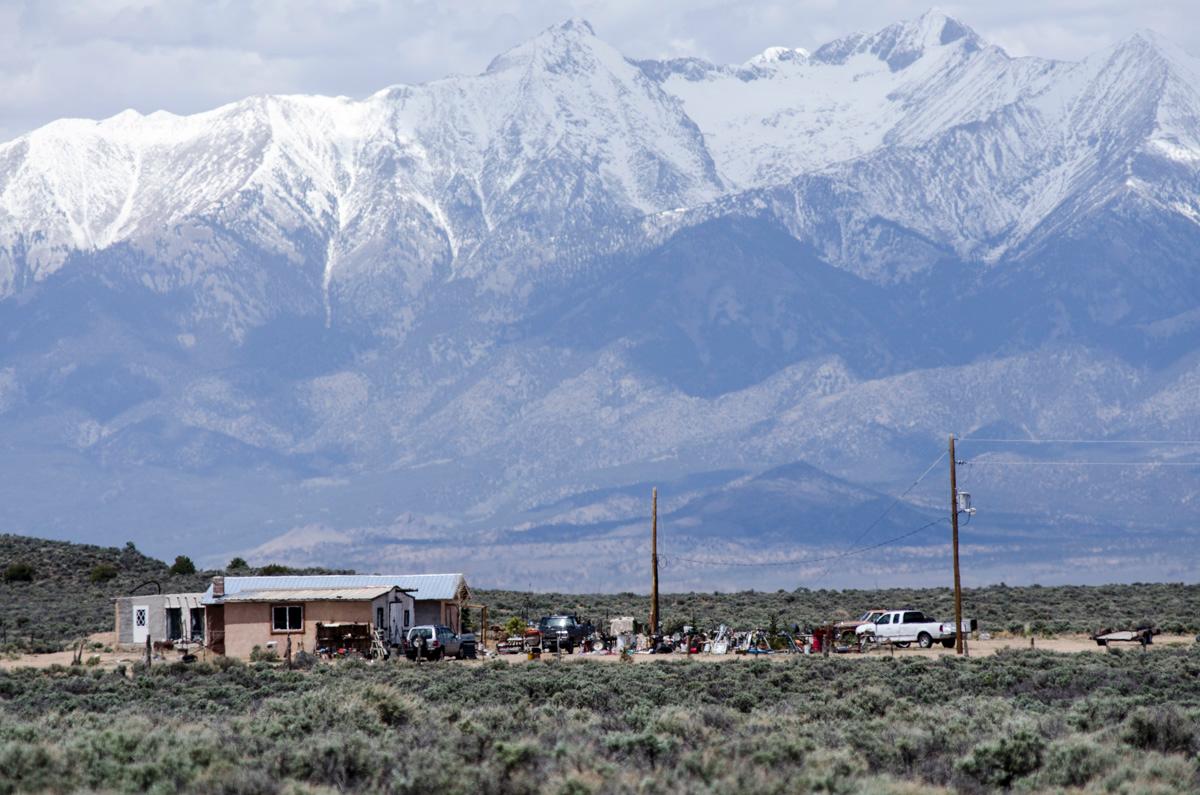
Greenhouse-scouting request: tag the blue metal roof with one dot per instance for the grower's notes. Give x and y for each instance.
(440, 587)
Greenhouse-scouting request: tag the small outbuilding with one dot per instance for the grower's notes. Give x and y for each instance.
(271, 613)
(176, 617)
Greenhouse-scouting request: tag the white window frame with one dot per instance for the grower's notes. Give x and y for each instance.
(288, 629)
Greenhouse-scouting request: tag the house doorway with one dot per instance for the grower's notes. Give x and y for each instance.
(174, 623)
(141, 623)
(197, 617)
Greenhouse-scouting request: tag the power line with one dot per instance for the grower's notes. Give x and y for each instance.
(1083, 441)
(987, 462)
(803, 561)
(896, 501)
(888, 509)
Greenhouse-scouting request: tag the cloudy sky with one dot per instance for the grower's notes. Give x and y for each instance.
(94, 58)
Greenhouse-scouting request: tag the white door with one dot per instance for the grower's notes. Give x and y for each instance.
(141, 623)
(887, 626)
(397, 630)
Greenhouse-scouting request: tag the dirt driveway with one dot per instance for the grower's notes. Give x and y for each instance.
(107, 659)
(976, 648)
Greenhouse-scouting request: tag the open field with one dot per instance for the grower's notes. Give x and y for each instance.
(1065, 716)
(1031, 720)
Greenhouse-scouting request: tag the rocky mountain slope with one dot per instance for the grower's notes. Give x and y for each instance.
(468, 323)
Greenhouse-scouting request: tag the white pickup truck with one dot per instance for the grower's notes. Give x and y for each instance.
(902, 627)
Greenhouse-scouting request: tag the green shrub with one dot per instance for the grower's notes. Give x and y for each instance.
(514, 754)
(589, 726)
(237, 564)
(102, 572)
(393, 707)
(1073, 762)
(1162, 729)
(183, 565)
(303, 660)
(998, 763)
(260, 655)
(19, 572)
(644, 746)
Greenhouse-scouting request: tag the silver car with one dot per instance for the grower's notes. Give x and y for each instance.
(432, 642)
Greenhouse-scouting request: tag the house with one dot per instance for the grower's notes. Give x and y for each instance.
(159, 617)
(268, 612)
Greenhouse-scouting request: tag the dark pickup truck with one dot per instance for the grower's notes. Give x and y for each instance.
(563, 632)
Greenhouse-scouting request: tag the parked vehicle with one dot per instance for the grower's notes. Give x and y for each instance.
(868, 617)
(565, 632)
(844, 631)
(902, 627)
(432, 642)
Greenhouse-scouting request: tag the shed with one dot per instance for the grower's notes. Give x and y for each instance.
(159, 617)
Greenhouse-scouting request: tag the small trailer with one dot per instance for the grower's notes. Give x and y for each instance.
(1142, 635)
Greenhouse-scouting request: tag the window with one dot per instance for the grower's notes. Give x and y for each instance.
(139, 617)
(174, 623)
(378, 617)
(287, 618)
(406, 618)
(886, 618)
(914, 618)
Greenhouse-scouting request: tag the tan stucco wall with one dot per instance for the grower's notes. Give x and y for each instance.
(248, 624)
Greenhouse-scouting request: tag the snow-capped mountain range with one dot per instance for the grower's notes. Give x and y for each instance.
(486, 312)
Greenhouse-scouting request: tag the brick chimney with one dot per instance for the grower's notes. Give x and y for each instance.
(218, 587)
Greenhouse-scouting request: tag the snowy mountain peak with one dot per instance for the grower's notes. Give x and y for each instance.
(565, 135)
(774, 55)
(901, 44)
(935, 28)
(577, 25)
(1149, 46)
(558, 47)
(545, 282)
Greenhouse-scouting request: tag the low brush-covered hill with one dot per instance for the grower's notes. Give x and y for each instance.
(64, 601)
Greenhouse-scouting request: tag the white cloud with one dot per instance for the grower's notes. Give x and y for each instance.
(94, 58)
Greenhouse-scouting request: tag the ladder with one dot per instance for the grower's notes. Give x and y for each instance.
(378, 650)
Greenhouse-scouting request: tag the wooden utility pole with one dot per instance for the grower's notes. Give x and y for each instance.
(654, 563)
(958, 633)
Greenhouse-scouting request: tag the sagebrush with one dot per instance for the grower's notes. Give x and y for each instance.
(1032, 721)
